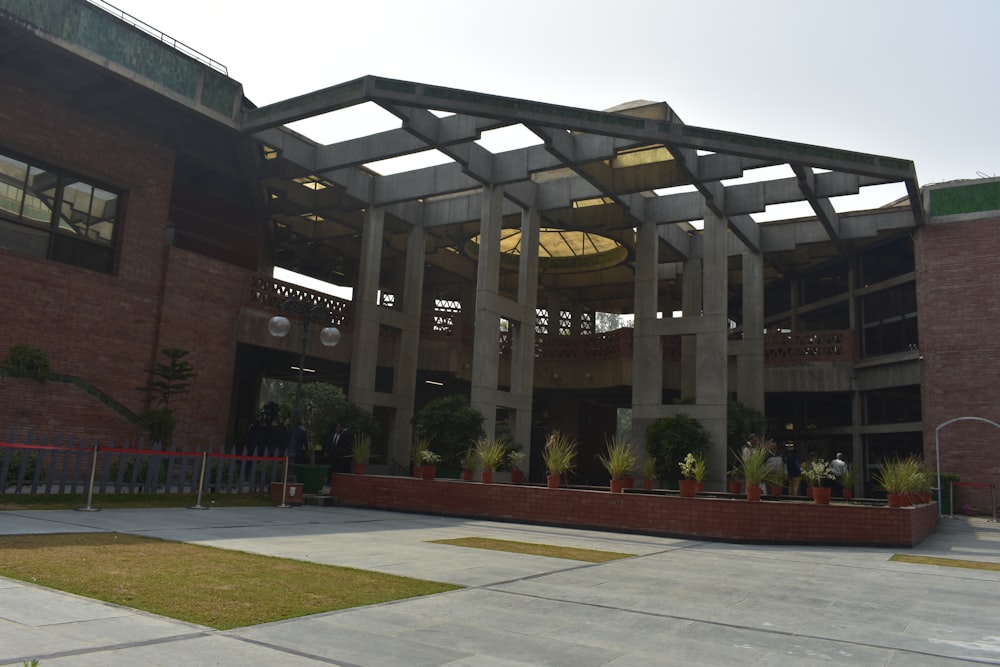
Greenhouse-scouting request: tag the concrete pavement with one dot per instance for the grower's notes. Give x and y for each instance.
(677, 601)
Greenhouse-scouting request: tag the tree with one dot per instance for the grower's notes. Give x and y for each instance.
(669, 439)
(742, 421)
(167, 380)
(325, 405)
(451, 425)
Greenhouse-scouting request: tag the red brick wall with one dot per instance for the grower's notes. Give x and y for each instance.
(108, 329)
(709, 518)
(958, 276)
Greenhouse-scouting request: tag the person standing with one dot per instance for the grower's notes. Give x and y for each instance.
(338, 451)
(793, 468)
(837, 466)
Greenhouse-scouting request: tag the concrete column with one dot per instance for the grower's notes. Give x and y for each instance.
(405, 376)
(691, 306)
(750, 360)
(712, 342)
(486, 342)
(522, 371)
(647, 350)
(364, 340)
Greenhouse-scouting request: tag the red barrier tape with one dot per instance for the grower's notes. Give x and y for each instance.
(148, 452)
(18, 445)
(242, 457)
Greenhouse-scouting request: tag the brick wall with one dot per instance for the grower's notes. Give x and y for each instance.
(958, 274)
(108, 329)
(734, 520)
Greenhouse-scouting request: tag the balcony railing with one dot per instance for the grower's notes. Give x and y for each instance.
(809, 347)
(836, 346)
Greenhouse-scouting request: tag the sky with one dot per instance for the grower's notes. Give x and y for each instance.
(912, 79)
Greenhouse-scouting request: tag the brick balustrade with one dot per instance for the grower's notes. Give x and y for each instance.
(710, 518)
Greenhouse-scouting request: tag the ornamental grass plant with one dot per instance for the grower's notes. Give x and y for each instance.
(755, 467)
(361, 450)
(559, 453)
(898, 476)
(618, 458)
(491, 452)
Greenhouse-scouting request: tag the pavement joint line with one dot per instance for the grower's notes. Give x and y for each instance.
(108, 647)
(290, 651)
(736, 626)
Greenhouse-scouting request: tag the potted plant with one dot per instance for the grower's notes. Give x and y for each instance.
(896, 477)
(649, 472)
(515, 458)
(468, 463)
(618, 459)
(735, 477)
(491, 453)
(755, 468)
(558, 455)
(693, 469)
(361, 451)
(846, 479)
(816, 473)
(424, 460)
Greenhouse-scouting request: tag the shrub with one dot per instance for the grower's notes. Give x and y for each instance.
(28, 361)
(450, 425)
(670, 438)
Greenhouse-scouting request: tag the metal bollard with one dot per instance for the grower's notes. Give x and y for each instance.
(90, 484)
(201, 483)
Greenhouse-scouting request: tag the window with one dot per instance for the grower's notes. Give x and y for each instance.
(889, 320)
(55, 215)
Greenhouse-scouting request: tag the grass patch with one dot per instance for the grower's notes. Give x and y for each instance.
(569, 553)
(947, 562)
(213, 587)
(69, 501)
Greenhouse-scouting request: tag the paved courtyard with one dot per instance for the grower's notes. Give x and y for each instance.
(682, 602)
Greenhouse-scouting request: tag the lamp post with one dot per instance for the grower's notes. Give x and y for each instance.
(279, 326)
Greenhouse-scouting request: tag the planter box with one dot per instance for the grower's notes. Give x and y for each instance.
(727, 519)
(293, 493)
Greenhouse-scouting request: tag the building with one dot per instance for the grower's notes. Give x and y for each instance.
(146, 201)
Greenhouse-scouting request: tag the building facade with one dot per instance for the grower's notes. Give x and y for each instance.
(146, 203)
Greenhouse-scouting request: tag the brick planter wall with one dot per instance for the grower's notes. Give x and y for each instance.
(731, 520)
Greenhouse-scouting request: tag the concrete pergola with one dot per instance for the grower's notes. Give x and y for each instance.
(646, 193)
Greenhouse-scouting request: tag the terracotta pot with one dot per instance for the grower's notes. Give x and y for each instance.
(628, 482)
(617, 485)
(699, 487)
(847, 493)
(647, 484)
(467, 475)
(897, 500)
(552, 481)
(821, 495)
(486, 477)
(809, 491)
(753, 493)
(425, 471)
(358, 468)
(516, 476)
(774, 490)
(688, 488)
(735, 486)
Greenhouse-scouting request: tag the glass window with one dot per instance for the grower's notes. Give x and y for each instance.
(51, 214)
(887, 261)
(889, 321)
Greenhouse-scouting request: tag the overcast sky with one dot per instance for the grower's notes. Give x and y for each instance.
(914, 79)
